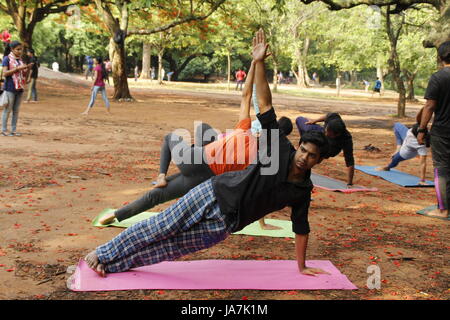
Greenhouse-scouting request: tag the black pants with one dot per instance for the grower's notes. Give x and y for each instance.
(440, 149)
(193, 171)
(178, 185)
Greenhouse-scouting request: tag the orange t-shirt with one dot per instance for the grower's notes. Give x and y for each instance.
(233, 152)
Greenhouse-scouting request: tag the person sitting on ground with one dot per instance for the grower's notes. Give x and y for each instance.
(226, 203)
(338, 137)
(220, 156)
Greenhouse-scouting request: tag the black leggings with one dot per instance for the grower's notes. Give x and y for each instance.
(189, 159)
(177, 186)
(440, 149)
(193, 171)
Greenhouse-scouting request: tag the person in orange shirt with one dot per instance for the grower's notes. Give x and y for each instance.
(208, 156)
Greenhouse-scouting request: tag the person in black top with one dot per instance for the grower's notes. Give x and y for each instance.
(338, 136)
(228, 202)
(32, 77)
(437, 98)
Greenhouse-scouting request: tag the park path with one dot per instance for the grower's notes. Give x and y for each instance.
(349, 104)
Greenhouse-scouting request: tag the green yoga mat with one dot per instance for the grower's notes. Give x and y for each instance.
(252, 229)
(425, 212)
(124, 223)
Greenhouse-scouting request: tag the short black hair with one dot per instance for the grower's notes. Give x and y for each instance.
(337, 126)
(319, 139)
(30, 50)
(444, 52)
(285, 125)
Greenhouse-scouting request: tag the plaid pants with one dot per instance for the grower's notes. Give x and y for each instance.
(193, 223)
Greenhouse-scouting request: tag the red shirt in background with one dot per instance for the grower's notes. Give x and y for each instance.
(240, 75)
(99, 80)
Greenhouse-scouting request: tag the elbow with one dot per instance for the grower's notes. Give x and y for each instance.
(246, 94)
(430, 106)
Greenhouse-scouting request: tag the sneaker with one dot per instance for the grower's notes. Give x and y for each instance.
(11, 134)
(17, 134)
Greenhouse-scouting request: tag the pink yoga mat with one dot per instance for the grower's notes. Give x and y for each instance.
(214, 274)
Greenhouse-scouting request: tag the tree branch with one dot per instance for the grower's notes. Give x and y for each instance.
(400, 5)
(178, 22)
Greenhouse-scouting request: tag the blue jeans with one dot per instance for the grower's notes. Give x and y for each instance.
(95, 90)
(14, 106)
(400, 131)
(396, 159)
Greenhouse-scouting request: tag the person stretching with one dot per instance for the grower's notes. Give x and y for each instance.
(408, 147)
(226, 203)
(221, 156)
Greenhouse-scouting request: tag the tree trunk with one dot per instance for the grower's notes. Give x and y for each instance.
(275, 77)
(338, 84)
(353, 78)
(119, 72)
(146, 61)
(117, 50)
(305, 54)
(410, 77)
(229, 69)
(394, 63)
(160, 66)
(300, 75)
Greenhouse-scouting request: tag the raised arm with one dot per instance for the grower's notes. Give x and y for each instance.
(247, 94)
(262, 86)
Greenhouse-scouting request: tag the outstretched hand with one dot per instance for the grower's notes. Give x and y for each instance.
(259, 52)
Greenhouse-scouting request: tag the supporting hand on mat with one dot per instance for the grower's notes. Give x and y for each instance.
(313, 271)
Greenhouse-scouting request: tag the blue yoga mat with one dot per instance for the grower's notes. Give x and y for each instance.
(395, 176)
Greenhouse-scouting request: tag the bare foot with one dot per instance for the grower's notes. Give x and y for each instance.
(93, 263)
(438, 213)
(270, 227)
(91, 259)
(107, 218)
(161, 181)
(84, 113)
(382, 169)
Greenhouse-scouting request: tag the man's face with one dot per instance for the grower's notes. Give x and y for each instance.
(307, 156)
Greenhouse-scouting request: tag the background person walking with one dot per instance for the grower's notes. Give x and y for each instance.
(100, 75)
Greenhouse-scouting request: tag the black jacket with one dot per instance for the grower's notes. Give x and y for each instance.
(249, 195)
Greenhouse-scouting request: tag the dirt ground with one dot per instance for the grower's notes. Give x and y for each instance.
(66, 168)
